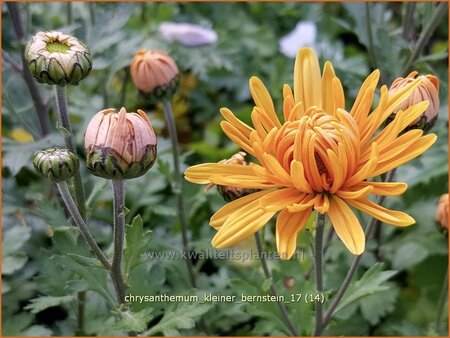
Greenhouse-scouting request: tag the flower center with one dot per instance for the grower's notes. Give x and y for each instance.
(316, 140)
(57, 47)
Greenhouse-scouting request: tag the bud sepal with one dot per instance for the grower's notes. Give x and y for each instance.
(56, 165)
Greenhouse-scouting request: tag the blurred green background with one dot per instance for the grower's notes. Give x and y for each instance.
(39, 281)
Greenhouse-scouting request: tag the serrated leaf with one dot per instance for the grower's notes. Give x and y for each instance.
(134, 321)
(181, 316)
(41, 303)
(13, 262)
(370, 283)
(38, 331)
(374, 307)
(14, 238)
(136, 240)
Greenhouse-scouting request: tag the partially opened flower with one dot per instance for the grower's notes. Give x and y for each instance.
(320, 158)
(56, 58)
(119, 145)
(154, 73)
(427, 90)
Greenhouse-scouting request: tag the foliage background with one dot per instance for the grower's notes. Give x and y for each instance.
(39, 280)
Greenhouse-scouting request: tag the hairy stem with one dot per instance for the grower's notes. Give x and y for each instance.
(318, 266)
(119, 236)
(80, 223)
(426, 34)
(348, 278)
(39, 105)
(64, 120)
(284, 313)
(178, 185)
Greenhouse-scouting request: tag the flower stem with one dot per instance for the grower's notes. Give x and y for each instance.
(318, 266)
(370, 46)
(284, 313)
(119, 236)
(441, 303)
(348, 278)
(39, 105)
(64, 120)
(80, 223)
(408, 20)
(178, 185)
(426, 34)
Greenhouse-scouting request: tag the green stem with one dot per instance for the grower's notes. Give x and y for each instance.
(371, 49)
(80, 223)
(426, 34)
(39, 105)
(408, 20)
(441, 303)
(119, 236)
(123, 92)
(284, 313)
(69, 13)
(178, 185)
(64, 120)
(318, 267)
(348, 278)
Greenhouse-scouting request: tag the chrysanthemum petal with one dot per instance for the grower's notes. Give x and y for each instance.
(346, 225)
(231, 118)
(363, 101)
(298, 177)
(228, 209)
(263, 99)
(236, 136)
(393, 217)
(307, 81)
(385, 188)
(355, 192)
(414, 150)
(281, 198)
(321, 203)
(287, 227)
(366, 170)
(327, 88)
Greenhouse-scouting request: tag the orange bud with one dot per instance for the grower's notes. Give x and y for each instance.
(428, 90)
(442, 211)
(120, 145)
(154, 73)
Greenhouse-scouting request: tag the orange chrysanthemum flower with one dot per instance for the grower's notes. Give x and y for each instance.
(320, 158)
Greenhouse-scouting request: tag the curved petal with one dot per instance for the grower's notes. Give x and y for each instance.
(307, 81)
(355, 192)
(384, 188)
(288, 226)
(263, 99)
(327, 88)
(346, 225)
(279, 199)
(228, 209)
(393, 217)
(242, 224)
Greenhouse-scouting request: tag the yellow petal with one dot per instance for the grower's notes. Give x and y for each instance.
(363, 101)
(287, 227)
(327, 88)
(298, 177)
(263, 100)
(242, 224)
(228, 209)
(355, 192)
(237, 137)
(279, 199)
(385, 188)
(307, 81)
(346, 225)
(393, 217)
(231, 118)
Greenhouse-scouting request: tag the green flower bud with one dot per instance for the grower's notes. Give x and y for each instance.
(59, 59)
(155, 74)
(120, 145)
(55, 164)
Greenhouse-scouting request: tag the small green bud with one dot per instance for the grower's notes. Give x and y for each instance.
(55, 164)
(59, 59)
(120, 145)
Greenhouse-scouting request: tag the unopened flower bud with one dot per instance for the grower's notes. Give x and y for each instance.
(231, 193)
(120, 145)
(154, 73)
(59, 59)
(55, 164)
(428, 89)
(442, 212)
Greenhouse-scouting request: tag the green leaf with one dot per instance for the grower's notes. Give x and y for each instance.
(13, 262)
(408, 255)
(136, 240)
(370, 283)
(13, 258)
(134, 321)
(376, 306)
(41, 303)
(86, 261)
(38, 331)
(178, 317)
